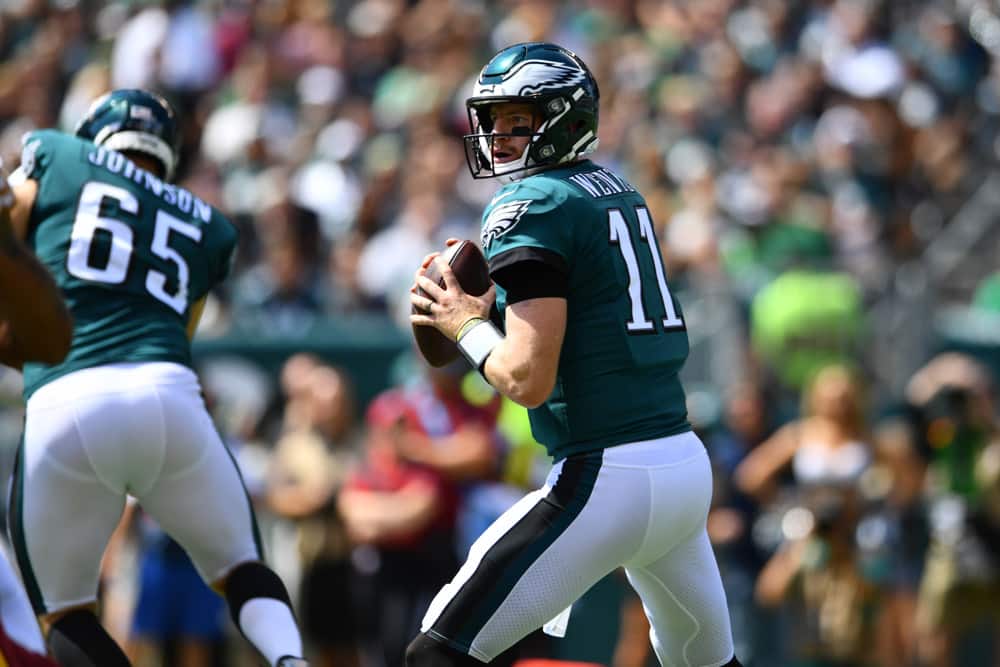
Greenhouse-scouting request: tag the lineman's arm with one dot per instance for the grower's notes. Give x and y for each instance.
(38, 325)
(197, 308)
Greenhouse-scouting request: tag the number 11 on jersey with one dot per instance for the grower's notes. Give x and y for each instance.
(621, 235)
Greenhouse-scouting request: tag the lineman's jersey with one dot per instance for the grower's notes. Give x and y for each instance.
(130, 253)
(625, 341)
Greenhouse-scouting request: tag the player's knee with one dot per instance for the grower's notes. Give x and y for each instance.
(427, 652)
(252, 580)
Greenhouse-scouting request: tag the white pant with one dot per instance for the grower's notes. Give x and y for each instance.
(642, 506)
(18, 620)
(96, 435)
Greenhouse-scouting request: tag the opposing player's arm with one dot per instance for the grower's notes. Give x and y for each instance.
(38, 325)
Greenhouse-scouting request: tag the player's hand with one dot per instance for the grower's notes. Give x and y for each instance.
(449, 308)
(429, 257)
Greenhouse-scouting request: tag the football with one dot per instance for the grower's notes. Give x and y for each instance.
(473, 274)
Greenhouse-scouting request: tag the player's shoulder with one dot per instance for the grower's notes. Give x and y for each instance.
(45, 137)
(40, 147)
(227, 228)
(545, 189)
(532, 196)
(215, 223)
(515, 203)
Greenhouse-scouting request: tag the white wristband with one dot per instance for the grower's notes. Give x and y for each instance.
(478, 342)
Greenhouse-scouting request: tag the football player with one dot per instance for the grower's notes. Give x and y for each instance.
(592, 344)
(135, 257)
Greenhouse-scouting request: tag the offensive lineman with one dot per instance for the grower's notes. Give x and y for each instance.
(593, 345)
(135, 258)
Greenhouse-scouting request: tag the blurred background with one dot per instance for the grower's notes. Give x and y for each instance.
(824, 179)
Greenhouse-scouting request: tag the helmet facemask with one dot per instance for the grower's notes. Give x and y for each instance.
(550, 141)
(480, 143)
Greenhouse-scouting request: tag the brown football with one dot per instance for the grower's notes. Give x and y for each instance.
(473, 274)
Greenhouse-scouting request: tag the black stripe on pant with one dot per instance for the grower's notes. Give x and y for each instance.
(512, 555)
(15, 529)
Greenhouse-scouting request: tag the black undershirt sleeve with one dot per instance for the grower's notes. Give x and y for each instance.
(530, 273)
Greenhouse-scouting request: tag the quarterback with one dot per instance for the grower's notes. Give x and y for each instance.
(592, 344)
(134, 257)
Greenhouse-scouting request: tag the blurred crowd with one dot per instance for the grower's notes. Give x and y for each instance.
(822, 172)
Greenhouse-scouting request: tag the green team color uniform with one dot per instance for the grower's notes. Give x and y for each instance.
(130, 253)
(625, 339)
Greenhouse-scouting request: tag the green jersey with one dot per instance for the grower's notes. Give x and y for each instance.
(130, 253)
(625, 340)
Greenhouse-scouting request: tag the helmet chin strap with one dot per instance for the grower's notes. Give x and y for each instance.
(517, 166)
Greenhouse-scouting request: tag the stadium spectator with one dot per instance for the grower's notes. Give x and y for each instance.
(401, 519)
(311, 460)
(955, 398)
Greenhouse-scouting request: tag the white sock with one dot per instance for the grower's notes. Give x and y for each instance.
(270, 627)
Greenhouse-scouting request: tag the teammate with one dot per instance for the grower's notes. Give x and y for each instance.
(593, 344)
(134, 257)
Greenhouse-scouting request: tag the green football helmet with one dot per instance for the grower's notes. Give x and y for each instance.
(134, 120)
(563, 92)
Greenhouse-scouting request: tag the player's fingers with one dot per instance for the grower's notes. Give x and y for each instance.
(428, 258)
(422, 302)
(490, 296)
(450, 281)
(421, 320)
(451, 241)
(429, 286)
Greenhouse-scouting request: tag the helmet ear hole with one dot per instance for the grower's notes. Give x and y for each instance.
(555, 106)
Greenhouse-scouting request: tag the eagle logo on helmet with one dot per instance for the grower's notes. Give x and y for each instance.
(531, 77)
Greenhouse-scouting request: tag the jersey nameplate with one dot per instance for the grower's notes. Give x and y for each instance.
(601, 183)
(116, 163)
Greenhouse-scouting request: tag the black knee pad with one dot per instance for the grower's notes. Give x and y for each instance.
(249, 581)
(733, 663)
(78, 640)
(427, 652)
